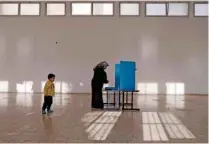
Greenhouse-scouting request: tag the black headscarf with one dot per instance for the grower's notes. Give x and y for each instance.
(102, 64)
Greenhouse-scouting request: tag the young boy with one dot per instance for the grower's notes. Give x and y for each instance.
(49, 91)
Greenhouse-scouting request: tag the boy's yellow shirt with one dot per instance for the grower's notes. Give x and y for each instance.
(49, 89)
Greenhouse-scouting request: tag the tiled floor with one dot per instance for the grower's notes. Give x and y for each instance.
(163, 118)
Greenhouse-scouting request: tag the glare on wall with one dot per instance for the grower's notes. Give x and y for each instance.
(175, 88)
(42, 85)
(81, 84)
(29, 87)
(175, 95)
(66, 88)
(25, 87)
(170, 88)
(180, 88)
(4, 86)
(148, 88)
(58, 87)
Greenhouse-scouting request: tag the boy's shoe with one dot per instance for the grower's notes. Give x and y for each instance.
(50, 111)
(43, 112)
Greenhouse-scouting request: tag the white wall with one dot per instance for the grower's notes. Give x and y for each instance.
(166, 49)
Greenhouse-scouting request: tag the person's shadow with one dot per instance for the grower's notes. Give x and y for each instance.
(48, 126)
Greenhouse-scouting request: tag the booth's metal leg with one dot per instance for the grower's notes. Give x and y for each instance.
(114, 99)
(132, 101)
(119, 99)
(131, 104)
(107, 97)
(126, 97)
(123, 101)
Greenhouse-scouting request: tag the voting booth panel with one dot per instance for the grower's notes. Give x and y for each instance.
(127, 76)
(117, 76)
(124, 76)
(124, 84)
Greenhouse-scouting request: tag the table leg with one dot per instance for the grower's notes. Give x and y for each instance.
(123, 101)
(114, 99)
(126, 97)
(132, 101)
(131, 104)
(107, 97)
(119, 99)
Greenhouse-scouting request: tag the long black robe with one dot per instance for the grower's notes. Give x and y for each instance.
(99, 78)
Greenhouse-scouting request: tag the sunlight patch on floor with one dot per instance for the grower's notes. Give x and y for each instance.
(156, 124)
(100, 124)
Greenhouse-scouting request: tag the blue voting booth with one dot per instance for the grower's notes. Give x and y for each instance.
(124, 82)
(125, 76)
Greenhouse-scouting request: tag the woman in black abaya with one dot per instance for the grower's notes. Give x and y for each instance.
(98, 80)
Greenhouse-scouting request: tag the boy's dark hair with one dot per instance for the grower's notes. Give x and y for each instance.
(51, 76)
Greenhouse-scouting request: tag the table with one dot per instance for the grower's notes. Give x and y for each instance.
(125, 103)
(125, 95)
